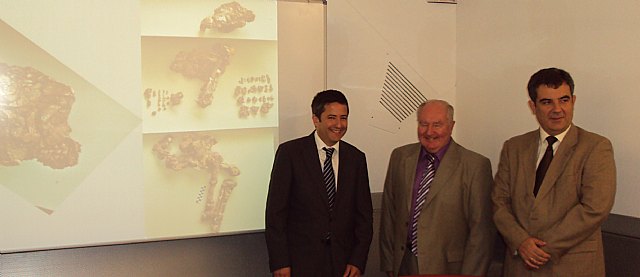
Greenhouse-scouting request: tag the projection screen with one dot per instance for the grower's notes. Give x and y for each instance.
(125, 121)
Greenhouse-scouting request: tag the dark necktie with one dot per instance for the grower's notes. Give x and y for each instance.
(329, 177)
(423, 189)
(544, 164)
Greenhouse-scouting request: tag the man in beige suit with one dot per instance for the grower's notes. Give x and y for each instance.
(436, 204)
(551, 221)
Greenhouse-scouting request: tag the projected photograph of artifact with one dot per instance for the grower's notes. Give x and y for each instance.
(56, 127)
(206, 65)
(34, 109)
(239, 19)
(159, 100)
(208, 84)
(192, 179)
(254, 96)
(227, 17)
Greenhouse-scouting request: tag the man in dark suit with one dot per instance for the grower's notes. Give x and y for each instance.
(555, 186)
(314, 225)
(439, 225)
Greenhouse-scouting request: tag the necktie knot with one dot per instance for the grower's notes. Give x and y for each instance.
(329, 151)
(431, 157)
(551, 140)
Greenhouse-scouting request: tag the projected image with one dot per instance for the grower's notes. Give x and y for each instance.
(206, 65)
(193, 180)
(227, 17)
(210, 114)
(208, 84)
(254, 96)
(110, 133)
(55, 126)
(33, 119)
(196, 151)
(241, 19)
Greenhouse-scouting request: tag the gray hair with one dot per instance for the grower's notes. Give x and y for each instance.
(440, 102)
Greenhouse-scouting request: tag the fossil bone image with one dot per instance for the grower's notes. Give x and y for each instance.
(227, 17)
(163, 99)
(206, 65)
(34, 109)
(196, 151)
(254, 94)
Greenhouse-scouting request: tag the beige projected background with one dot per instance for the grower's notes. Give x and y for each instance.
(125, 122)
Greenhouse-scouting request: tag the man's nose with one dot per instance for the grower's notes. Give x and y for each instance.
(429, 131)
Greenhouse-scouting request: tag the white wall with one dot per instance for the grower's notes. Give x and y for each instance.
(363, 36)
(501, 43)
(479, 56)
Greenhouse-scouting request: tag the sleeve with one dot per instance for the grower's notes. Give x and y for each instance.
(503, 215)
(480, 242)
(363, 218)
(387, 220)
(596, 197)
(277, 210)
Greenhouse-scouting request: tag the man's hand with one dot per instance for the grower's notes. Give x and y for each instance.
(531, 253)
(283, 272)
(351, 271)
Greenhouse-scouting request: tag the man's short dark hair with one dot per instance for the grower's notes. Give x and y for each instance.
(550, 77)
(326, 97)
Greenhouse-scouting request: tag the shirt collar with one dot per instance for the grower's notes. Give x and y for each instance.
(440, 154)
(320, 144)
(560, 137)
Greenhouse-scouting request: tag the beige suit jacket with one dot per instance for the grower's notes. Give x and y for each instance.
(455, 231)
(575, 198)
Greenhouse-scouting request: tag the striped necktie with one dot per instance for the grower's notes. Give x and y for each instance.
(423, 189)
(329, 177)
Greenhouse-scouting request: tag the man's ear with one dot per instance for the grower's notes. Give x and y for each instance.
(532, 106)
(315, 119)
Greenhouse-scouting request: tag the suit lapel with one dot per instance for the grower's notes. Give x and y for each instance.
(410, 164)
(312, 162)
(559, 162)
(448, 165)
(343, 172)
(529, 160)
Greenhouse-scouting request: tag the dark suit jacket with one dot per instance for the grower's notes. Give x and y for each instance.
(455, 231)
(574, 199)
(297, 214)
